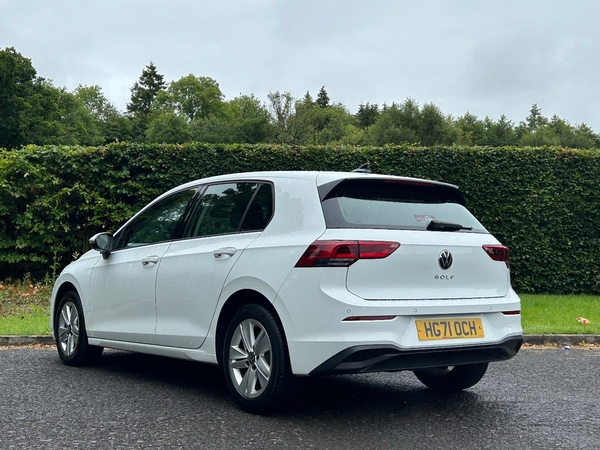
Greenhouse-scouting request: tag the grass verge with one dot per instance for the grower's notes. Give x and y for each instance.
(24, 311)
(557, 314)
(24, 308)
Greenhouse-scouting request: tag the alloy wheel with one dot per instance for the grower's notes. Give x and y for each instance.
(250, 358)
(68, 328)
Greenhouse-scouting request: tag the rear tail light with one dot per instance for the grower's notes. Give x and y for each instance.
(344, 253)
(498, 253)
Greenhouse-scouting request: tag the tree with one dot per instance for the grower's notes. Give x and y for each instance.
(302, 121)
(367, 114)
(168, 127)
(397, 124)
(434, 128)
(33, 111)
(473, 130)
(540, 137)
(76, 125)
(289, 117)
(195, 97)
(250, 120)
(569, 136)
(112, 125)
(535, 118)
(307, 99)
(500, 133)
(143, 93)
(323, 98)
(198, 102)
(95, 101)
(585, 137)
(18, 79)
(329, 124)
(408, 123)
(213, 129)
(354, 135)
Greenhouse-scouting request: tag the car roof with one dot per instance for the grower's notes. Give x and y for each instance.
(319, 177)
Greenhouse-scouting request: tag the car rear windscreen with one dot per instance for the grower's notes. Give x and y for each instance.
(395, 204)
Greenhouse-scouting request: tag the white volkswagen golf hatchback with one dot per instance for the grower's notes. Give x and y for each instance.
(278, 275)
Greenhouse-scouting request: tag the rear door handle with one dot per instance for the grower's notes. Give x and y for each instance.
(150, 260)
(228, 251)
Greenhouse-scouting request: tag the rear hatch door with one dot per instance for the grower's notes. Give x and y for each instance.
(442, 252)
(427, 265)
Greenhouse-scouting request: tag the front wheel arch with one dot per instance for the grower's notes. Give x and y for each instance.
(62, 290)
(70, 331)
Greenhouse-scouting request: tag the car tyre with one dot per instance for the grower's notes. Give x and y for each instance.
(256, 362)
(70, 335)
(452, 378)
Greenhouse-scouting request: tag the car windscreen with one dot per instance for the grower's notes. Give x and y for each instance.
(396, 204)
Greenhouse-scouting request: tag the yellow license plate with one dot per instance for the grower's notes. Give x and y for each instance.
(435, 329)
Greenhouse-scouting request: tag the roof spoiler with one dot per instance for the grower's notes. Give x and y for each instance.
(365, 168)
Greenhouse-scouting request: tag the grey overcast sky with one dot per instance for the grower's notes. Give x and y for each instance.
(489, 57)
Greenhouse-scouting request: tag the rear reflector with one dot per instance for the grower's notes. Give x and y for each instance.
(511, 313)
(359, 318)
(344, 253)
(497, 253)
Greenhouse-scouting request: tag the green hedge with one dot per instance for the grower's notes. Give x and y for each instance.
(541, 202)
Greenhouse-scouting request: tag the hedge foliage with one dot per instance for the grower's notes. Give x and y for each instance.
(541, 202)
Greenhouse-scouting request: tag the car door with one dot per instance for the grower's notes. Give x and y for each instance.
(192, 272)
(122, 287)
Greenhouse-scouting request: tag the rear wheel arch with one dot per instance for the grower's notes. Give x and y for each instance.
(232, 306)
(454, 378)
(256, 361)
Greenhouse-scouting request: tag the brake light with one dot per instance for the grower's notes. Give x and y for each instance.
(498, 253)
(344, 253)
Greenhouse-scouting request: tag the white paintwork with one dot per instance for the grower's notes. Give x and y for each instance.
(410, 272)
(313, 318)
(185, 304)
(172, 307)
(122, 302)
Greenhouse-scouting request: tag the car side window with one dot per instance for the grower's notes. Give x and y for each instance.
(161, 222)
(259, 212)
(230, 208)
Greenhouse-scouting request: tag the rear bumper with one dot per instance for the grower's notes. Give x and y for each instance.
(387, 358)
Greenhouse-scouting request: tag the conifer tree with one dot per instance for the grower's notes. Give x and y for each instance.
(143, 93)
(323, 98)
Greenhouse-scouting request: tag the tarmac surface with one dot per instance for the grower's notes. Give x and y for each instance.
(544, 398)
(530, 339)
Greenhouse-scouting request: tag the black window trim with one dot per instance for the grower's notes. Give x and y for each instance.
(237, 231)
(184, 217)
(194, 204)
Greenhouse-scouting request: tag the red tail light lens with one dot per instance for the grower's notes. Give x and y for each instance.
(376, 249)
(344, 253)
(498, 253)
(329, 254)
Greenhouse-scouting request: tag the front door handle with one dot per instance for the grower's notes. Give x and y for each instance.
(150, 260)
(226, 251)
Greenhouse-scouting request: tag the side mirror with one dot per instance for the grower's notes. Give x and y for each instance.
(103, 243)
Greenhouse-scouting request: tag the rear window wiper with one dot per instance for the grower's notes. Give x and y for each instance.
(436, 225)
